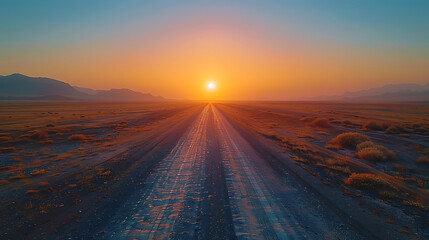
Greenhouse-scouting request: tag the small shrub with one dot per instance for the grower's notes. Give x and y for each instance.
(375, 126)
(395, 130)
(376, 153)
(348, 140)
(363, 145)
(79, 137)
(423, 159)
(367, 181)
(320, 122)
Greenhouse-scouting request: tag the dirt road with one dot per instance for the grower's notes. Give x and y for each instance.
(214, 185)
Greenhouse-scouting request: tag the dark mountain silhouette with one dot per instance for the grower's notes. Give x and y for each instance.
(21, 87)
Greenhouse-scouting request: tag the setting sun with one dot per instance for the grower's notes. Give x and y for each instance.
(211, 86)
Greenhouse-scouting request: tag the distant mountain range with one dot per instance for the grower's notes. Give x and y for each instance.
(386, 93)
(21, 87)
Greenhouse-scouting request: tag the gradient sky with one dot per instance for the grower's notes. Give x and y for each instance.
(253, 49)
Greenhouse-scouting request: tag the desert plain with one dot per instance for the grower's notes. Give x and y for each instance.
(213, 170)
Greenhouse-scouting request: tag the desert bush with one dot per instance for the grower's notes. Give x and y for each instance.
(367, 181)
(7, 149)
(348, 140)
(79, 137)
(363, 145)
(395, 130)
(423, 159)
(320, 122)
(375, 126)
(376, 153)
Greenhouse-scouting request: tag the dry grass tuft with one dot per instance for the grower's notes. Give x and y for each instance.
(363, 145)
(395, 130)
(423, 159)
(369, 151)
(348, 140)
(7, 149)
(367, 181)
(320, 122)
(79, 137)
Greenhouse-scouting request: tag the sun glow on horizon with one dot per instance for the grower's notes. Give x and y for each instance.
(211, 86)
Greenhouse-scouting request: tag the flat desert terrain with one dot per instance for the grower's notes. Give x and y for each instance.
(223, 170)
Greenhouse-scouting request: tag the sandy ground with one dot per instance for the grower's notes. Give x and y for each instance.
(208, 171)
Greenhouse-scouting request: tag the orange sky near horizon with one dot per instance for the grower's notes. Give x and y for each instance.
(248, 59)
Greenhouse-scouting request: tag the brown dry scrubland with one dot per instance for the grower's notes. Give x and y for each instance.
(373, 152)
(51, 153)
(376, 155)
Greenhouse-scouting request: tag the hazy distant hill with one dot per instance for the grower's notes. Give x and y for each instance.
(87, 90)
(387, 93)
(125, 95)
(21, 87)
